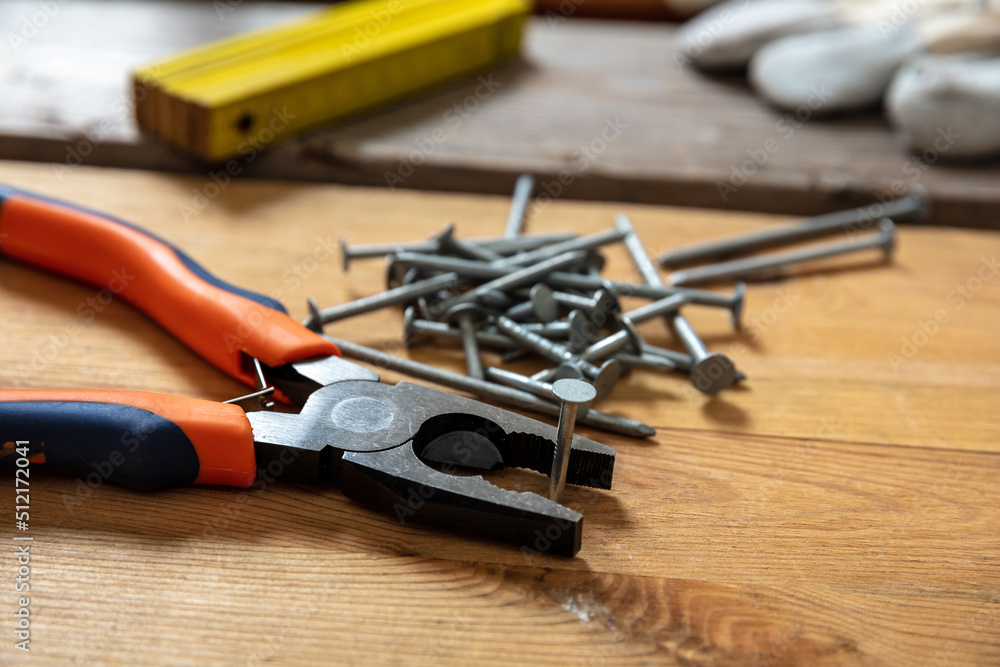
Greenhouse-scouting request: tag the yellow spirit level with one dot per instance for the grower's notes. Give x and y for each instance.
(226, 98)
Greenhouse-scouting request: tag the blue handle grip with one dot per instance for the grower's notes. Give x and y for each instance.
(100, 442)
(136, 439)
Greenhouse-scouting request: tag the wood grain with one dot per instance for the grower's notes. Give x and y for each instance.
(681, 134)
(836, 511)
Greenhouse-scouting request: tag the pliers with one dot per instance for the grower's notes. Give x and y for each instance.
(376, 440)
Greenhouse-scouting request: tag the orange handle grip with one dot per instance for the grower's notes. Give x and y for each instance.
(215, 319)
(136, 439)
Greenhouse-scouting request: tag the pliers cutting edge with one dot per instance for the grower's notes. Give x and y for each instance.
(376, 440)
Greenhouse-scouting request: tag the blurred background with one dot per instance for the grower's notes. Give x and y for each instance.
(781, 106)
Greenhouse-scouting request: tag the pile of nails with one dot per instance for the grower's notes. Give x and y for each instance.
(544, 295)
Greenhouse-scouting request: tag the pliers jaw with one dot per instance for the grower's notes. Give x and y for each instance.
(398, 483)
(298, 380)
(377, 440)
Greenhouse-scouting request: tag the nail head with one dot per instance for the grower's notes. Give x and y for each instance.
(573, 391)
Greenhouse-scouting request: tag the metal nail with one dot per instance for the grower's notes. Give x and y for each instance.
(503, 246)
(913, 205)
(519, 206)
(656, 308)
(627, 335)
(580, 332)
(524, 383)
(712, 372)
(594, 264)
(589, 242)
(254, 400)
(598, 307)
(471, 269)
(466, 314)
(576, 301)
(540, 306)
(499, 393)
(563, 370)
(750, 267)
(398, 295)
(567, 370)
(414, 327)
(424, 308)
(410, 276)
(449, 244)
(523, 243)
(314, 321)
(496, 300)
(683, 362)
(610, 372)
(636, 343)
(262, 386)
(734, 303)
(518, 381)
(576, 329)
(645, 361)
(514, 279)
(604, 377)
(571, 393)
(464, 267)
(637, 251)
(349, 253)
(397, 274)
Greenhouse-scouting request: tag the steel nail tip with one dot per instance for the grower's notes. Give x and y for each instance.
(571, 393)
(753, 267)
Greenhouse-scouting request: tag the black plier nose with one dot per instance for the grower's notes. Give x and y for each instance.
(377, 441)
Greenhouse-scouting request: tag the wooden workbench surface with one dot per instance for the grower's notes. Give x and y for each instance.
(839, 509)
(675, 135)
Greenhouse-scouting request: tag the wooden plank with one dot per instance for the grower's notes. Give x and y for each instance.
(840, 558)
(681, 134)
(818, 347)
(834, 512)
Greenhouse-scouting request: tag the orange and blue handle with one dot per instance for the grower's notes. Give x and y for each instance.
(139, 440)
(136, 439)
(219, 321)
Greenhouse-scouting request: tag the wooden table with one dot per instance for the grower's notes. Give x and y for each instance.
(675, 137)
(839, 509)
